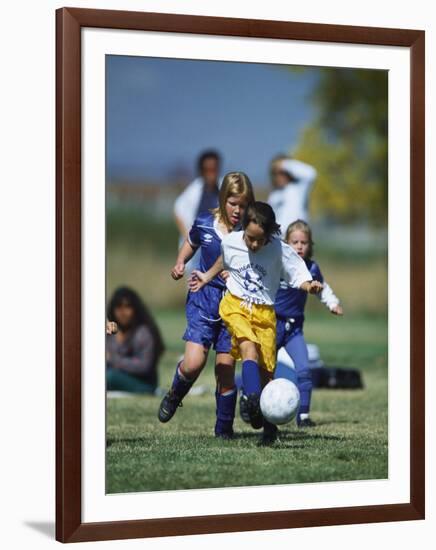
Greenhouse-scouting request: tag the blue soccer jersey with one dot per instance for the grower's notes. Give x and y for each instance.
(204, 325)
(290, 302)
(205, 234)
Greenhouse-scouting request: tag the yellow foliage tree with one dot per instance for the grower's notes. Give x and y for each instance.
(347, 143)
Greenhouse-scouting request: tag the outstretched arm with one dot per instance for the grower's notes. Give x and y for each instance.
(295, 272)
(185, 254)
(299, 171)
(199, 279)
(330, 300)
(337, 310)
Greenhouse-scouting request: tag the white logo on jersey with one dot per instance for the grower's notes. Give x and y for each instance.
(253, 281)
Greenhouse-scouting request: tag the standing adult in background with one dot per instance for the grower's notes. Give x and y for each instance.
(292, 181)
(201, 195)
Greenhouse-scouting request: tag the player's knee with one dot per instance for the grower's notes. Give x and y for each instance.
(190, 370)
(248, 350)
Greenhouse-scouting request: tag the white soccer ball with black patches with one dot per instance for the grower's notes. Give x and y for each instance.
(279, 401)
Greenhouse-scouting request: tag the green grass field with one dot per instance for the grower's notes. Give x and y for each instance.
(350, 441)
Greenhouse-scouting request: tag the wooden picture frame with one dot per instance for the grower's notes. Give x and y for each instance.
(69, 525)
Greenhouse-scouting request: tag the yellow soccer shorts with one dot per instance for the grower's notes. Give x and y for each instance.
(253, 322)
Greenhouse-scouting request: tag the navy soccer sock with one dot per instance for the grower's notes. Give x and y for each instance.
(297, 349)
(225, 412)
(181, 385)
(251, 377)
(305, 388)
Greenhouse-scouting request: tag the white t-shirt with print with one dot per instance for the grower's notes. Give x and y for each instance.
(255, 276)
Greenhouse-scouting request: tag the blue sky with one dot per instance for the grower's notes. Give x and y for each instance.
(162, 112)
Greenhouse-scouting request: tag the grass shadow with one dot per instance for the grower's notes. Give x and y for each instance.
(242, 436)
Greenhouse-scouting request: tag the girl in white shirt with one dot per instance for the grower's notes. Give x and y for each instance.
(256, 260)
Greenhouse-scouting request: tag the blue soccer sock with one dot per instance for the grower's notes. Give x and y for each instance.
(297, 350)
(305, 388)
(251, 377)
(225, 411)
(181, 385)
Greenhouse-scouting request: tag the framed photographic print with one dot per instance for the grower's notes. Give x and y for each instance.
(240, 274)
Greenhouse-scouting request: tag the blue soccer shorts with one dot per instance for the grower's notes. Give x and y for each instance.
(204, 325)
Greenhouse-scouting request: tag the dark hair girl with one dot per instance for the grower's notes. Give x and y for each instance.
(132, 353)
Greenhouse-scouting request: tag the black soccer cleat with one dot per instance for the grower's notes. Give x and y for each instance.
(168, 406)
(270, 434)
(306, 423)
(254, 412)
(243, 408)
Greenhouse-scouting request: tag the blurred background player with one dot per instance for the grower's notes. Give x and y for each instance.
(133, 352)
(256, 260)
(204, 325)
(200, 196)
(292, 181)
(289, 306)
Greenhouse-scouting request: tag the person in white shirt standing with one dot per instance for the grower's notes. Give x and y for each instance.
(201, 195)
(292, 181)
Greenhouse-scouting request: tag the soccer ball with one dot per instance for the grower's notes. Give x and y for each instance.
(279, 401)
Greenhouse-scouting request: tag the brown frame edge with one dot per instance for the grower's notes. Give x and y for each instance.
(69, 527)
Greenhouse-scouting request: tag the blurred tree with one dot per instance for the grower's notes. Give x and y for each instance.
(347, 142)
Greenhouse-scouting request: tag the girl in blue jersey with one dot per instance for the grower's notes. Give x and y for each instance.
(289, 308)
(204, 325)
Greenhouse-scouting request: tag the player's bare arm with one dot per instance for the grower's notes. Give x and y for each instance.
(185, 254)
(337, 310)
(225, 275)
(312, 287)
(199, 279)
